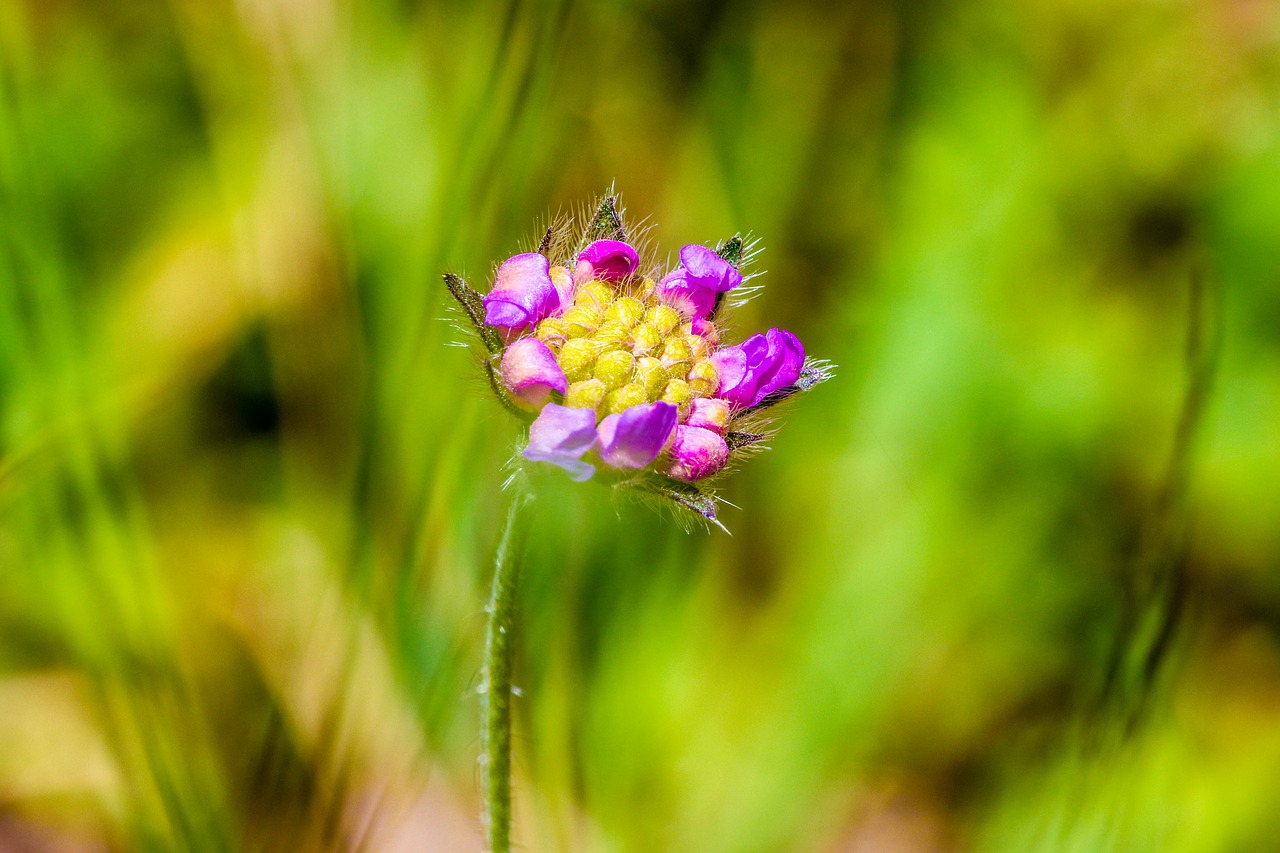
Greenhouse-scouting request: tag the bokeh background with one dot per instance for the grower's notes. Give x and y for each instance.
(1009, 583)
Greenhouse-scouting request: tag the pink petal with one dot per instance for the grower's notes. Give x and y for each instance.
(561, 435)
(782, 363)
(522, 293)
(609, 260)
(634, 438)
(707, 269)
(696, 453)
(530, 370)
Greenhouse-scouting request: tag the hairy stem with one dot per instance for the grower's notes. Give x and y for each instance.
(495, 699)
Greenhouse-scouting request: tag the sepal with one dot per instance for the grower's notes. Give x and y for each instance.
(814, 372)
(473, 305)
(607, 223)
(684, 497)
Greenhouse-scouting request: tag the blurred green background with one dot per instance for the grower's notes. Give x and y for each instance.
(1009, 583)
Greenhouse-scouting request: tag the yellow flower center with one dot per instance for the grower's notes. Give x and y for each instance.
(620, 347)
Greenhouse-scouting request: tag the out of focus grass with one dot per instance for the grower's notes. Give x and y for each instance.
(979, 596)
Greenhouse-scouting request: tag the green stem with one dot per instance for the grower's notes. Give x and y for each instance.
(495, 697)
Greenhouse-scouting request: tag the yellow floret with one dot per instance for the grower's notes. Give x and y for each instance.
(586, 394)
(703, 378)
(646, 337)
(613, 332)
(594, 294)
(577, 357)
(580, 321)
(643, 290)
(550, 329)
(614, 368)
(650, 373)
(678, 392)
(675, 350)
(626, 310)
(664, 318)
(622, 399)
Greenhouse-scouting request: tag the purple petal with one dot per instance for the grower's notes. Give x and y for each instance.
(696, 453)
(634, 438)
(782, 363)
(693, 300)
(609, 260)
(737, 381)
(561, 435)
(530, 370)
(522, 293)
(708, 269)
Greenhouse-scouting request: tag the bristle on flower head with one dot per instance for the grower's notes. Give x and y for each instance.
(625, 371)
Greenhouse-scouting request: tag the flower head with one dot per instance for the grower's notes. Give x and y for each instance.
(625, 372)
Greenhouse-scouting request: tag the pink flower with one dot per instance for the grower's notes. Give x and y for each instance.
(530, 371)
(608, 260)
(699, 280)
(696, 453)
(758, 366)
(522, 294)
(630, 439)
(634, 438)
(561, 435)
(628, 376)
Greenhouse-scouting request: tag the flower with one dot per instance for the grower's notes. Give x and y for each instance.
(698, 282)
(522, 294)
(531, 372)
(696, 453)
(607, 260)
(759, 366)
(626, 375)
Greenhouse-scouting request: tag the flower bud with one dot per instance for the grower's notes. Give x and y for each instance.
(650, 373)
(664, 318)
(610, 260)
(706, 330)
(703, 378)
(696, 453)
(577, 356)
(645, 338)
(614, 368)
(675, 350)
(698, 346)
(562, 280)
(587, 394)
(678, 392)
(594, 294)
(626, 310)
(580, 321)
(613, 332)
(551, 331)
(621, 399)
(706, 412)
(530, 372)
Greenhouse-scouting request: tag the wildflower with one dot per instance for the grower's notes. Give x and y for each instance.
(624, 372)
